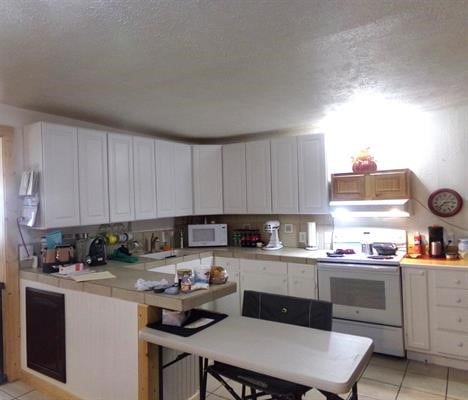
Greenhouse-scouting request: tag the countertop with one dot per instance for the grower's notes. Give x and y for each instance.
(426, 261)
(123, 286)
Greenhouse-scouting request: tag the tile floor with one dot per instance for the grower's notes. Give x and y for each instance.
(386, 378)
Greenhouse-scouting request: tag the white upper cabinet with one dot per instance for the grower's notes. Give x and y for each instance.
(52, 150)
(183, 179)
(174, 179)
(258, 177)
(313, 188)
(234, 179)
(144, 173)
(121, 190)
(284, 180)
(94, 190)
(207, 179)
(165, 178)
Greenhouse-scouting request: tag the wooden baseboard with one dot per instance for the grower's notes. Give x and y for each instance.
(438, 360)
(46, 387)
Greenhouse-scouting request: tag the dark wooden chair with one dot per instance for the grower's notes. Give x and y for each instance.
(279, 308)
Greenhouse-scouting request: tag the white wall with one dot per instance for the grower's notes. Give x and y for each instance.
(434, 145)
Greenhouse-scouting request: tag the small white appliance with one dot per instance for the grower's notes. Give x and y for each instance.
(207, 235)
(272, 227)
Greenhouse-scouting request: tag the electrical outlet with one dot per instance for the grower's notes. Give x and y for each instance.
(288, 228)
(302, 237)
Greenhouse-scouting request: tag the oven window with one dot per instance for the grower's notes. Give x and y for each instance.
(204, 235)
(358, 293)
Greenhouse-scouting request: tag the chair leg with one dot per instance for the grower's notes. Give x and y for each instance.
(203, 376)
(253, 393)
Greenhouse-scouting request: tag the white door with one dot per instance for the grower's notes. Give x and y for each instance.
(144, 173)
(263, 276)
(258, 177)
(207, 179)
(284, 180)
(60, 176)
(165, 178)
(94, 187)
(415, 308)
(313, 189)
(234, 179)
(182, 183)
(121, 190)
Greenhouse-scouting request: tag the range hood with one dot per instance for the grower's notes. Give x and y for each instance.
(391, 208)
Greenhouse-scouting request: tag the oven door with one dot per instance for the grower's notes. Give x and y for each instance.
(362, 292)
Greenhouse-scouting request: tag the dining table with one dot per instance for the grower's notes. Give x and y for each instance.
(330, 362)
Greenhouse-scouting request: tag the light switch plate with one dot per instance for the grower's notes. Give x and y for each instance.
(302, 237)
(288, 228)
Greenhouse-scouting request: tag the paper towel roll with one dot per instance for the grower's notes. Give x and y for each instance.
(311, 236)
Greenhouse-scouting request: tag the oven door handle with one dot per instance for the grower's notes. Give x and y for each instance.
(360, 267)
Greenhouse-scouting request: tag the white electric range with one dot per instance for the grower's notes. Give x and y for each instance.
(365, 290)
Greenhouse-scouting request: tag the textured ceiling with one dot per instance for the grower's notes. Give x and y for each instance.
(218, 68)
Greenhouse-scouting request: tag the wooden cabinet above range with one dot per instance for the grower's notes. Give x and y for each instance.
(379, 185)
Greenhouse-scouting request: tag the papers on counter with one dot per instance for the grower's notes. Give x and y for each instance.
(92, 276)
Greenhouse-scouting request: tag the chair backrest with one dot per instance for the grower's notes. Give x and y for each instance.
(288, 309)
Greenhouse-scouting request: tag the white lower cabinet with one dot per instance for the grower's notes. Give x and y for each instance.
(302, 281)
(263, 276)
(416, 309)
(230, 304)
(436, 312)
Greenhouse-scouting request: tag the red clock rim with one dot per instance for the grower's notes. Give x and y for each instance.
(452, 213)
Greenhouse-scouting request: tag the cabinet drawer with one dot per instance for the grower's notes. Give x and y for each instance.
(451, 297)
(452, 319)
(270, 267)
(301, 269)
(451, 279)
(455, 344)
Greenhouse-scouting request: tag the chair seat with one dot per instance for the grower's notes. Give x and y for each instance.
(258, 381)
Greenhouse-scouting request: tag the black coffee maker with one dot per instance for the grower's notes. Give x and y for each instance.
(436, 241)
(96, 252)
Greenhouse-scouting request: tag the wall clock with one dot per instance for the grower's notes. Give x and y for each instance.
(445, 202)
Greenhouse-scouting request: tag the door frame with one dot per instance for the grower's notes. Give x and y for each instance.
(9, 267)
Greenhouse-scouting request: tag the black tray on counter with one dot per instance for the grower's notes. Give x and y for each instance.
(195, 315)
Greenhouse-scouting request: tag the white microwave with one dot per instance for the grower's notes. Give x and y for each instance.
(207, 235)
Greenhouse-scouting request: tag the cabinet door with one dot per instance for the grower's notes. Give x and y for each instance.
(389, 184)
(258, 177)
(277, 284)
(60, 176)
(165, 178)
(230, 304)
(182, 183)
(207, 179)
(284, 180)
(415, 307)
(94, 189)
(313, 188)
(302, 280)
(144, 176)
(121, 191)
(348, 187)
(234, 179)
(45, 333)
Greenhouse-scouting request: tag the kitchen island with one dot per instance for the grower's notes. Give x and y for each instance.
(104, 357)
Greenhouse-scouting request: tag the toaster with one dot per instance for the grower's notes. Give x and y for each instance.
(96, 254)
